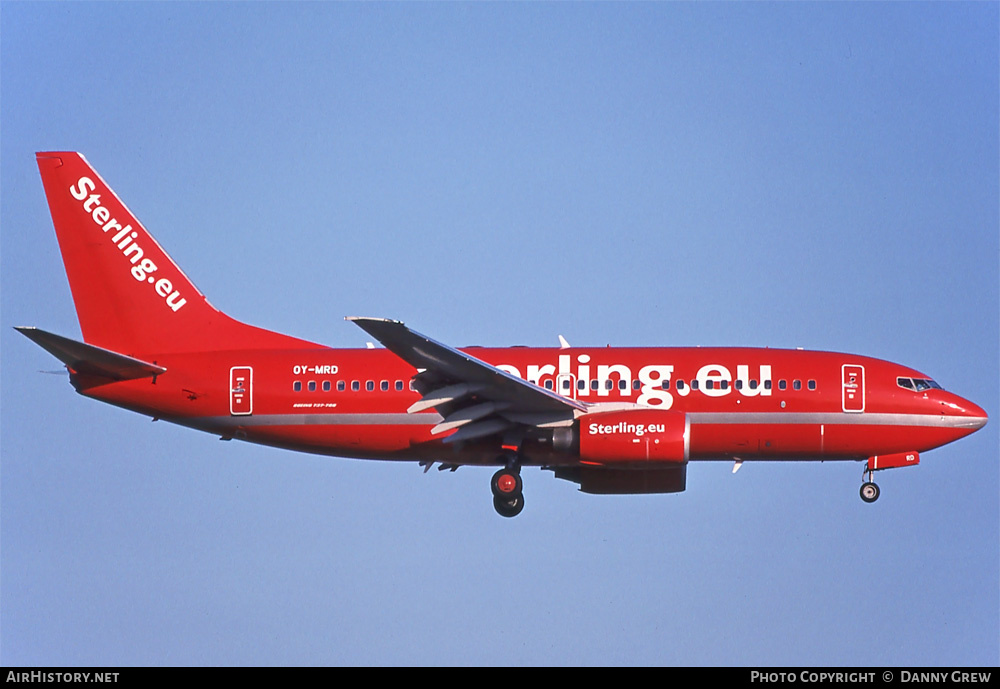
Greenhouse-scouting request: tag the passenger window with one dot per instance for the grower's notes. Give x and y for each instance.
(753, 384)
(767, 384)
(581, 384)
(355, 385)
(370, 385)
(297, 386)
(340, 386)
(399, 385)
(548, 384)
(312, 386)
(724, 384)
(781, 384)
(665, 384)
(739, 384)
(623, 384)
(709, 384)
(680, 383)
(384, 385)
(812, 384)
(594, 384)
(326, 386)
(797, 384)
(565, 384)
(609, 384)
(694, 384)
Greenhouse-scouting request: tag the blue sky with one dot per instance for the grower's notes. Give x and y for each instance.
(815, 175)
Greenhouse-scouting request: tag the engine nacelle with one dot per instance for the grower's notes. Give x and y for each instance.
(634, 436)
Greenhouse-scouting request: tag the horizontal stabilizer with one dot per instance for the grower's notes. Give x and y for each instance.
(84, 358)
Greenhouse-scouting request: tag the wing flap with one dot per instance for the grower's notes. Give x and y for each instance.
(445, 395)
(467, 415)
(478, 429)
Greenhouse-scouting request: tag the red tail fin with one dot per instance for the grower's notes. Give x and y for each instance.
(130, 296)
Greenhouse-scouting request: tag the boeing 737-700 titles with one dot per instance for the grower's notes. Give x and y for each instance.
(613, 420)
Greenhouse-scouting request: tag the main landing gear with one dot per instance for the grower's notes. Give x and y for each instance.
(508, 500)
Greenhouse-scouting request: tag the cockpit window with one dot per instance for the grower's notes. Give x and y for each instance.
(917, 384)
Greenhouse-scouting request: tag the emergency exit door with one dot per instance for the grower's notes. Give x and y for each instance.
(240, 390)
(853, 387)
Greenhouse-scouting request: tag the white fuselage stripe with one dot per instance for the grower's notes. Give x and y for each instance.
(836, 419)
(693, 418)
(333, 419)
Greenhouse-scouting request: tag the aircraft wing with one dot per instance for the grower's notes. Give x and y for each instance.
(474, 397)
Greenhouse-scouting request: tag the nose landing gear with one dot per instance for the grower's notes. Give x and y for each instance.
(869, 490)
(508, 500)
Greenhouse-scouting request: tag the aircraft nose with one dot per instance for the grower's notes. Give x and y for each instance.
(975, 416)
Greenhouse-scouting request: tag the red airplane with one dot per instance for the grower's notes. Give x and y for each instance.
(613, 420)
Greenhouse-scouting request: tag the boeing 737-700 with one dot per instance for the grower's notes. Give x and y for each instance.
(612, 420)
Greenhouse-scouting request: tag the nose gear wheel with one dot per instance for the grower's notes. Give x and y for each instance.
(869, 489)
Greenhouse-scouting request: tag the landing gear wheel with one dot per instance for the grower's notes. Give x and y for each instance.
(869, 491)
(509, 508)
(508, 500)
(506, 485)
